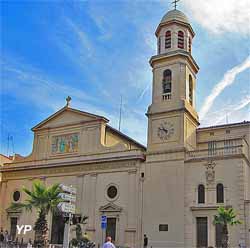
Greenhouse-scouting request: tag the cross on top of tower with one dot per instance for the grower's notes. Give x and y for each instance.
(68, 99)
(175, 3)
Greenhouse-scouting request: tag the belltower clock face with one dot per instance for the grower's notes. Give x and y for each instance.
(165, 130)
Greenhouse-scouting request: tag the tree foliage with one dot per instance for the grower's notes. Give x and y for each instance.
(226, 217)
(43, 199)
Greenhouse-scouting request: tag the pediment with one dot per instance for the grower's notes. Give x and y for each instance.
(12, 212)
(110, 207)
(67, 116)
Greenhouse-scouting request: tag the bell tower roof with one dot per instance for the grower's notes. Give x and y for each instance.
(174, 15)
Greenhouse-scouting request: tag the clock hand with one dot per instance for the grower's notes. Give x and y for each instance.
(165, 130)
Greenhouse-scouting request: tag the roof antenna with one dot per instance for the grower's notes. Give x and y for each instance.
(8, 144)
(13, 150)
(10, 139)
(120, 115)
(175, 3)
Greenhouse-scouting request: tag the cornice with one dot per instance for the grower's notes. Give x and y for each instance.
(46, 164)
(163, 24)
(220, 157)
(194, 117)
(176, 53)
(208, 207)
(77, 170)
(183, 149)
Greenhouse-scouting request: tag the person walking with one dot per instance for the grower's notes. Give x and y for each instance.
(145, 241)
(29, 245)
(108, 243)
(6, 238)
(1, 237)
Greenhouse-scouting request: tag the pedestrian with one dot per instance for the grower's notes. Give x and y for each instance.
(6, 238)
(108, 243)
(145, 242)
(86, 236)
(1, 237)
(29, 245)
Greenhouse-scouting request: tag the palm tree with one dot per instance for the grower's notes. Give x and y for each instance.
(43, 199)
(226, 217)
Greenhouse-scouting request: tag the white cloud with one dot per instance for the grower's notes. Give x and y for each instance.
(37, 87)
(229, 112)
(233, 109)
(41, 91)
(75, 42)
(81, 37)
(221, 16)
(227, 80)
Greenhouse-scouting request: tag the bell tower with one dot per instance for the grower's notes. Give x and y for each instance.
(172, 118)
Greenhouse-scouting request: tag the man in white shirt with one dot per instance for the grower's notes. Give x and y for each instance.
(108, 243)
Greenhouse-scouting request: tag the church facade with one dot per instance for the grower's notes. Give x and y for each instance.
(169, 190)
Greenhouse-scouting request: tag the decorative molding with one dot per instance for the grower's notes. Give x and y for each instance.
(130, 230)
(211, 207)
(133, 171)
(13, 212)
(177, 150)
(69, 169)
(110, 207)
(210, 172)
(85, 159)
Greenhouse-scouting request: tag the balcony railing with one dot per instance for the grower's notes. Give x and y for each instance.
(208, 153)
(166, 96)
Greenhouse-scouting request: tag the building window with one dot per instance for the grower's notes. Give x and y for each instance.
(229, 147)
(167, 81)
(220, 193)
(180, 39)
(201, 193)
(16, 196)
(159, 45)
(190, 44)
(211, 148)
(190, 90)
(112, 192)
(168, 39)
(218, 235)
(163, 227)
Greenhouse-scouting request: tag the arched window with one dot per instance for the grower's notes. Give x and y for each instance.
(190, 90)
(201, 193)
(168, 39)
(167, 81)
(180, 39)
(190, 44)
(220, 193)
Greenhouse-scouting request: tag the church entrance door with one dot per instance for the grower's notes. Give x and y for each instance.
(111, 228)
(202, 232)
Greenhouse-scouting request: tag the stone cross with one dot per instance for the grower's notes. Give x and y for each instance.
(68, 99)
(175, 3)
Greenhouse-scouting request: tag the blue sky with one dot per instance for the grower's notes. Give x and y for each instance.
(96, 51)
